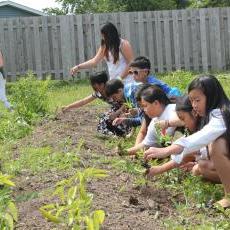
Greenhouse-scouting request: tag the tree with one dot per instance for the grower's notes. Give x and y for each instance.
(209, 3)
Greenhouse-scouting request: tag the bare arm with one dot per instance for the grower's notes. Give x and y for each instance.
(79, 103)
(133, 150)
(142, 133)
(127, 52)
(156, 170)
(90, 63)
(154, 152)
(1, 60)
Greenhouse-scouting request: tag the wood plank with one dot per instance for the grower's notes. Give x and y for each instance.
(45, 45)
(150, 40)
(195, 41)
(176, 39)
(159, 42)
(217, 34)
(65, 46)
(80, 40)
(168, 53)
(37, 47)
(185, 40)
(97, 37)
(141, 34)
(12, 49)
(204, 51)
(55, 51)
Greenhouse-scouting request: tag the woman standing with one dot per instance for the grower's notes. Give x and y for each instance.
(117, 53)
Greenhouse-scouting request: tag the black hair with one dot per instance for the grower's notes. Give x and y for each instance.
(98, 78)
(153, 93)
(111, 41)
(112, 87)
(140, 90)
(215, 98)
(141, 62)
(183, 104)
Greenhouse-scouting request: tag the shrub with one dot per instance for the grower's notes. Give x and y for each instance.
(30, 98)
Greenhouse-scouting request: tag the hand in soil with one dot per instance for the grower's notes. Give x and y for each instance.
(153, 171)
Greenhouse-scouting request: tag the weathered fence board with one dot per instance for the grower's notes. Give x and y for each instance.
(192, 39)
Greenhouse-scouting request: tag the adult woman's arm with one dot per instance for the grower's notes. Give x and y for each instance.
(127, 52)
(90, 63)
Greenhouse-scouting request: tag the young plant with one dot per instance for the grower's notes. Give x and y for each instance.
(163, 139)
(73, 209)
(8, 210)
(128, 103)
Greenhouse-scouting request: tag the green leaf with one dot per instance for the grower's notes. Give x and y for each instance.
(98, 218)
(13, 210)
(89, 223)
(4, 179)
(49, 216)
(10, 221)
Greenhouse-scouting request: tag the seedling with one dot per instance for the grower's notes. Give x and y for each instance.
(73, 209)
(163, 139)
(128, 103)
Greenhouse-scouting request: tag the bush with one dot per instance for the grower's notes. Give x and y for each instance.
(30, 98)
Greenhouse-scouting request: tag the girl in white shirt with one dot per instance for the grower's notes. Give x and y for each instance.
(189, 119)
(211, 103)
(156, 105)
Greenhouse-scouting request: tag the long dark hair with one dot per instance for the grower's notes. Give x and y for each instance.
(111, 41)
(215, 98)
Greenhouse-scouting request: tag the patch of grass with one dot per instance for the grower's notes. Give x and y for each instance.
(62, 93)
(40, 160)
(26, 196)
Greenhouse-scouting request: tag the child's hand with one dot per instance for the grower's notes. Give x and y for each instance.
(154, 152)
(187, 167)
(118, 120)
(133, 112)
(162, 124)
(153, 171)
(64, 109)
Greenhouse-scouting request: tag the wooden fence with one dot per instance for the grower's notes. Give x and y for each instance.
(180, 39)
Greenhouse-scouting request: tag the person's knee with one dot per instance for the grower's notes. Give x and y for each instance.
(218, 147)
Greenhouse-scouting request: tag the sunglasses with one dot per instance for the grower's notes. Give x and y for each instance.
(136, 72)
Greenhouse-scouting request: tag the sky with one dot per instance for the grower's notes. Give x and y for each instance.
(37, 4)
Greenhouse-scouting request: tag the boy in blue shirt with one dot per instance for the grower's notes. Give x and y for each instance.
(140, 69)
(120, 93)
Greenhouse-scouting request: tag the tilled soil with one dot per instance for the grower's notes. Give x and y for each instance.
(128, 208)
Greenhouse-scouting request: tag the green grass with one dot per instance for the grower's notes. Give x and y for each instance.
(40, 160)
(62, 93)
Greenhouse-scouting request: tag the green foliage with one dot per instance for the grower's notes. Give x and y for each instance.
(13, 127)
(30, 98)
(42, 159)
(208, 3)
(74, 206)
(8, 210)
(163, 139)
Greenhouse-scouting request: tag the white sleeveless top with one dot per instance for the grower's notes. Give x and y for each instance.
(116, 69)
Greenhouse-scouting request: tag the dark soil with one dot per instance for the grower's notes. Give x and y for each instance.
(128, 208)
